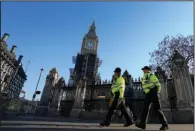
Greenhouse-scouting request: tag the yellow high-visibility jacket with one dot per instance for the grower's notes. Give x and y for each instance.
(118, 86)
(150, 81)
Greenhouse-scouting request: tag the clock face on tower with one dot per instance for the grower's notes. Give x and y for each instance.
(90, 44)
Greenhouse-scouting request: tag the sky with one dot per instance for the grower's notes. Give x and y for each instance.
(50, 33)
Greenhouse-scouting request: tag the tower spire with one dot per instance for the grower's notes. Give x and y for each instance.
(92, 33)
(93, 27)
(93, 23)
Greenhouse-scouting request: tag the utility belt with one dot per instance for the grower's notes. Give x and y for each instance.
(153, 90)
(116, 95)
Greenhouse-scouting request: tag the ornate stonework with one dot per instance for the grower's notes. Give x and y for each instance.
(48, 92)
(163, 81)
(9, 65)
(182, 81)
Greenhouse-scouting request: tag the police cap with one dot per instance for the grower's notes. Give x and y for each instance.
(118, 70)
(146, 68)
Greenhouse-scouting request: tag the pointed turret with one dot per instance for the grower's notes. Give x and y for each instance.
(92, 27)
(61, 79)
(126, 73)
(92, 33)
(53, 70)
(61, 82)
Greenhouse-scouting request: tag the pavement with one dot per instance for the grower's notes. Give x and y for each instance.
(30, 123)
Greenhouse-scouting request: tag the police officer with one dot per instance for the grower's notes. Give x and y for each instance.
(129, 101)
(117, 89)
(151, 87)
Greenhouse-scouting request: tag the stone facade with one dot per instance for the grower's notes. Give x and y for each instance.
(19, 80)
(10, 67)
(98, 96)
(182, 82)
(56, 98)
(163, 81)
(176, 95)
(90, 100)
(48, 91)
(184, 90)
(86, 68)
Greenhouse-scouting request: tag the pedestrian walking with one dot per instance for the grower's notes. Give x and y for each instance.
(151, 87)
(117, 91)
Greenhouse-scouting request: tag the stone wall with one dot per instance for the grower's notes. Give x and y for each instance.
(66, 107)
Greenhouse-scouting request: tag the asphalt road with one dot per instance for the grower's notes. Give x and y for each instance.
(33, 123)
(71, 126)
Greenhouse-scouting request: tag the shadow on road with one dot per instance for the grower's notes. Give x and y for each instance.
(64, 129)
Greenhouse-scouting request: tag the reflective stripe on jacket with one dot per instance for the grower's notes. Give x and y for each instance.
(119, 85)
(150, 81)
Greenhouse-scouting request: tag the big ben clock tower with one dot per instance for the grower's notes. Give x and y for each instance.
(87, 62)
(90, 41)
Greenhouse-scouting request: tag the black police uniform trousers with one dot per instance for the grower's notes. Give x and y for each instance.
(153, 97)
(131, 107)
(118, 104)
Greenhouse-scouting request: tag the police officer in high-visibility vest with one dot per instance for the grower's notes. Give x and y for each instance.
(151, 87)
(117, 89)
(111, 95)
(128, 95)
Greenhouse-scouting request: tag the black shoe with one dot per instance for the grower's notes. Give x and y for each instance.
(164, 127)
(141, 125)
(104, 124)
(128, 124)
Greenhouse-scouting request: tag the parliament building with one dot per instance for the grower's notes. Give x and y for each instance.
(86, 91)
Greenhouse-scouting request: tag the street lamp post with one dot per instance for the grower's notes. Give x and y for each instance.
(34, 95)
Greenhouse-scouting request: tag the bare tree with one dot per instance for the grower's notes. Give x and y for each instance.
(163, 55)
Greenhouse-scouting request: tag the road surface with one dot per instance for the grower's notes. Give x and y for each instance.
(72, 126)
